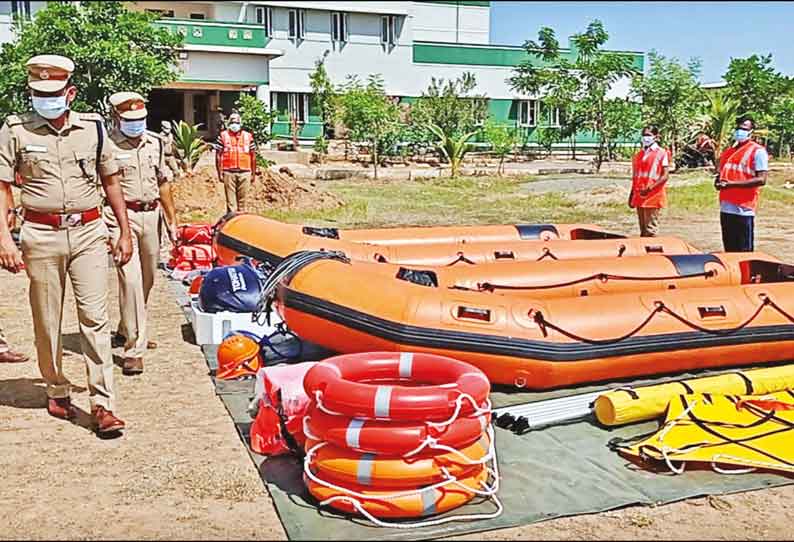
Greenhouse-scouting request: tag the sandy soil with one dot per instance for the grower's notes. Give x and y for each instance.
(181, 471)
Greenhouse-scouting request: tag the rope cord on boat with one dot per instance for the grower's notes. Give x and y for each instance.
(289, 266)
(660, 307)
(603, 277)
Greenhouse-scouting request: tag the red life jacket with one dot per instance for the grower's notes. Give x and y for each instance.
(647, 168)
(236, 150)
(738, 164)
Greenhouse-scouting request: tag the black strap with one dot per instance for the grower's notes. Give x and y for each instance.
(748, 384)
(100, 138)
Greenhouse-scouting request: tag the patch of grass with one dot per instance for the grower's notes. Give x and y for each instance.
(694, 198)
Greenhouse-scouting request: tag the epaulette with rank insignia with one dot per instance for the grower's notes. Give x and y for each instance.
(24, 118)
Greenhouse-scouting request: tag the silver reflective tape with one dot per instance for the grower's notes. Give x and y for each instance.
(353, 432)
(364, 469)
(428, 502)
(382, 400)
(406, 364)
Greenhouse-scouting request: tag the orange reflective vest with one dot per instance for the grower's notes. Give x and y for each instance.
(647, 168)
(236, 150)
(738, 164)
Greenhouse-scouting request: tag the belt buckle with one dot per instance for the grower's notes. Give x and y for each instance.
(71, 220)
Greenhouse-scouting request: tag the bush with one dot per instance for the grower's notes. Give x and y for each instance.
(255, 117)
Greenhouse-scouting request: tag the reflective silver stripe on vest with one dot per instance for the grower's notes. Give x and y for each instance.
(364, 469)
(382, 400)
(428, 501)
(353, 432)
(406, 364)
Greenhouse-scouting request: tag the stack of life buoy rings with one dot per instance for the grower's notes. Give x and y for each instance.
(399, 435)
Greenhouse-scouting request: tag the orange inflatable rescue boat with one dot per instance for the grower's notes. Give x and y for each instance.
(546, 343)
(271, 241)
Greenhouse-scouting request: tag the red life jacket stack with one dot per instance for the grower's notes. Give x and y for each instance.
(193, 249)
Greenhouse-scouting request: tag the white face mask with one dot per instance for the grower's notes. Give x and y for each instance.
(648, 140)
(50, 107)
(234, 127)
(132, 128)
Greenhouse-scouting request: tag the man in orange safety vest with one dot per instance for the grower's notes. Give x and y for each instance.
(235, 160)
(744, 167)
(650, 170)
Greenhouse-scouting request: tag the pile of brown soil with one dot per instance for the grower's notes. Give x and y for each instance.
(200, 194)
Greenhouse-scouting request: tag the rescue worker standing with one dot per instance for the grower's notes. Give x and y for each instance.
(144, 177)
(743, 171)
(57, 154)
(650, 171)
(235, 160)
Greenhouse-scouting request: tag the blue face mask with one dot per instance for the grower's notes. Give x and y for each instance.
(742, 135)
(132, 128)
(50, 107)
(234, 127)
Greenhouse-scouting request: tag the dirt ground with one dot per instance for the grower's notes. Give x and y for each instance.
(181, 471)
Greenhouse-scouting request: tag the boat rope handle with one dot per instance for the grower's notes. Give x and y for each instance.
(660, 307)
(318, 398)
(603, 277)
(547, 253)
(307, 431)
(720, 470)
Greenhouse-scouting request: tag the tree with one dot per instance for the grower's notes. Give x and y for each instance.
(783, 113)
(719, 119)
(188, 144)
(502, 140)
(756, 85)
(323, 92)
(622, 121)
(670, 96)
(113, 49)
(449, 109)
(255, 117)
(369, 114)
(585, 80)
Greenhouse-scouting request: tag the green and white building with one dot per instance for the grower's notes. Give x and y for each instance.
(270, 47)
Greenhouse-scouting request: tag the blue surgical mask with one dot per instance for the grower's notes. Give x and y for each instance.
(741, 135)
(234, 127)
(132, 128)
(50, 107)
(648, 140)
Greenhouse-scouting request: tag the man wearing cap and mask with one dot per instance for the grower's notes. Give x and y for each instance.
(235, 160)
(140, 155)
(744, 167)
(57, 154)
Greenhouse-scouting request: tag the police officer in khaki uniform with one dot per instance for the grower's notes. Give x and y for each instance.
(168, 148)
(140, 155)
(57, 154)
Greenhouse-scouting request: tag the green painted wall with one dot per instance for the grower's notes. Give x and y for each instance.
(220, 34)
(488, 55)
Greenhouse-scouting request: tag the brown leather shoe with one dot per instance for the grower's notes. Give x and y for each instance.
(132, 366)
(104, 421)
(61, 408)
(9, 356)
(151, 345)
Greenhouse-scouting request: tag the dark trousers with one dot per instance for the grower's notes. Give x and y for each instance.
(737, 232)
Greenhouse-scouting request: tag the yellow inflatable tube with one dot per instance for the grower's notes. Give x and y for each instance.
(629, 405)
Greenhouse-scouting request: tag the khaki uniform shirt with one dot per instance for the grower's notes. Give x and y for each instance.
(141, 168)
(57, 169)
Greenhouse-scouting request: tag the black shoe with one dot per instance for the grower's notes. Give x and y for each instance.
(117, 340)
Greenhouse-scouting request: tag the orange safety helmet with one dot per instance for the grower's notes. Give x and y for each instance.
(238, 356)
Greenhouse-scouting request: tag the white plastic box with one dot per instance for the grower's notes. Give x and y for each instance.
(210, 328)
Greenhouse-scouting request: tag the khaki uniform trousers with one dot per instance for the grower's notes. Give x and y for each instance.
(137, 277)
(236, 185)
(649, 221)
(81, 253)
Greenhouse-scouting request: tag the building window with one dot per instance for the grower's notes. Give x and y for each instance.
(339, 25)
(291, 104)
(197, 16)
(163, 13)
(264, 17)
(388, 29)
(20, 9)
(528, 113)
(296, 24)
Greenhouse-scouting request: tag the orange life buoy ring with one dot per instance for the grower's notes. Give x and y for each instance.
(367, 385)
(345, 467)
(391, 438)
(424, 502)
